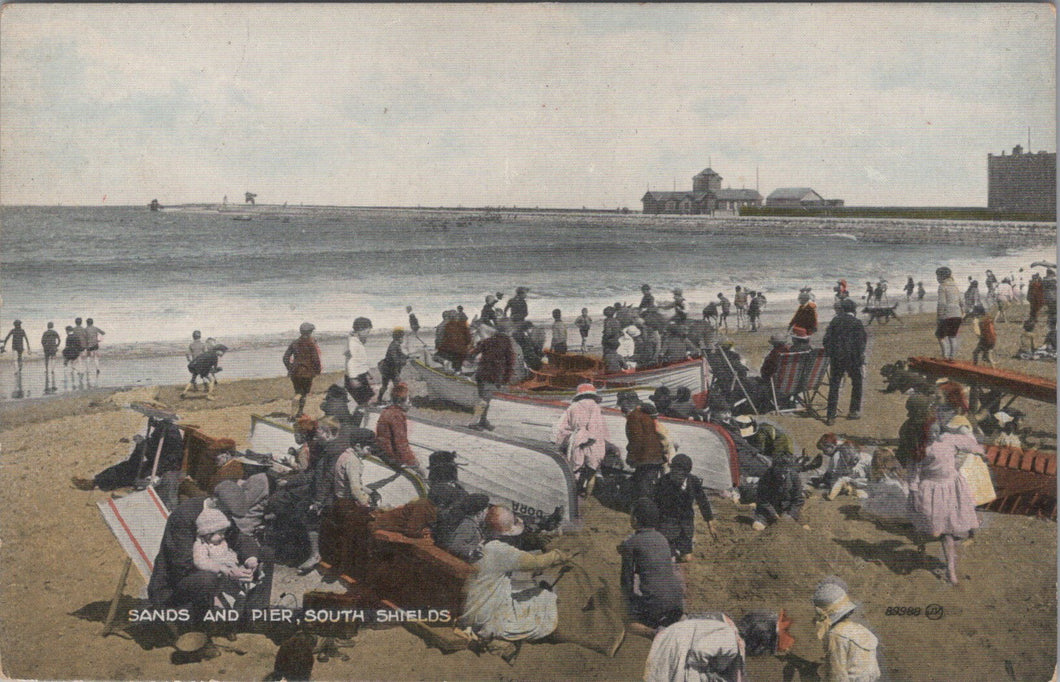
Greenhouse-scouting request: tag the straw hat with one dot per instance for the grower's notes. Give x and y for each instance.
(832, 602)
(747, 425)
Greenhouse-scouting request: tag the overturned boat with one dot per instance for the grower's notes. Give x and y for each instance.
(711, 448)
(395, 486)
(529, 477)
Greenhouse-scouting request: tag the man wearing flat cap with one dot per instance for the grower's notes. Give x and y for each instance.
(844, 342)
(302, 360)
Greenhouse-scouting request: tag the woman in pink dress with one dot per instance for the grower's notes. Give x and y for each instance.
(582, 434)
(941, 500)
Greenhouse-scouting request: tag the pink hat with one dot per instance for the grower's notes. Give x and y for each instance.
(586, 391)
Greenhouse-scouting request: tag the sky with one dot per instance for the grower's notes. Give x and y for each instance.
(516, 105)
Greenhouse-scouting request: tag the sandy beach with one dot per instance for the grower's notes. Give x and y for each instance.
(60, 562)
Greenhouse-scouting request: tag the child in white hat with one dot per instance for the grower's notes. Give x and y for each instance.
(211, 552)
(850, 647)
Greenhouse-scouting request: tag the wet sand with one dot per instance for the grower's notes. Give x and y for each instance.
(60, 563)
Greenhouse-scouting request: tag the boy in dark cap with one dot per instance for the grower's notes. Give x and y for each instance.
(674, 494)
(442, 474)
(779, 492)
(649, 578)
(302, 360)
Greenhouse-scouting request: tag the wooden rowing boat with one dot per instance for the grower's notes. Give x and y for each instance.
(461, 390)
(1016, 383)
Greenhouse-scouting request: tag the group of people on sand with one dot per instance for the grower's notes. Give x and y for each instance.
(80, 350)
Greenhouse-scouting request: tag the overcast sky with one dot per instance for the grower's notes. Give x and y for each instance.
(530, 105)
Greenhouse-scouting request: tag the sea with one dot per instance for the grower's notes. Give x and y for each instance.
(249, 279)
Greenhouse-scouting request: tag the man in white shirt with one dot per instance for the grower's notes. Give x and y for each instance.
(358, 379)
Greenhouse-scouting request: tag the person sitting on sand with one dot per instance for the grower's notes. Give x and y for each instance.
(940, 497)
(675, 493)
(649, 579)
(850, 648)
(848, 467)
(887, 492)
(493, 609)
(700, 647)
(779, 492)
(460, 529)
(177, 582)
(140, 461)
(205, 367)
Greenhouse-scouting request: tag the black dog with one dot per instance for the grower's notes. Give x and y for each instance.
(901, 379)
(883, 315)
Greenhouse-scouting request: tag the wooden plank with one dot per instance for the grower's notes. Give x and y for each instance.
(1017, 383)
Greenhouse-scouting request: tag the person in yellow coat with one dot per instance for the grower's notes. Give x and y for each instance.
(850, 647)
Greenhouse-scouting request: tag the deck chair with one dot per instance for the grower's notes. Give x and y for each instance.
(786, 381)
(815, 368)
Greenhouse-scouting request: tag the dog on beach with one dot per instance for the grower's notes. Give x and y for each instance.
(902, 379)
(882, 315)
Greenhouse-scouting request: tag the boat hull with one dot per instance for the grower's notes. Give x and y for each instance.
(394, 487)
(529, 477)
(710, 447)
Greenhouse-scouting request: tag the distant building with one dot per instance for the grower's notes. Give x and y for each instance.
(706, 196)
(799, 197)
(1022, 183)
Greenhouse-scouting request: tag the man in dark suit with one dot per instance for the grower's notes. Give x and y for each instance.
(844, 341)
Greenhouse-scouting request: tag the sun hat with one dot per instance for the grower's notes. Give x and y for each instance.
(831, 603)
(586, 391)
(502, 521)
(777, 340)
(211, 521)
(306, 328)
(746, 424)
(632, 330)
(1003, 418)
(957, 422)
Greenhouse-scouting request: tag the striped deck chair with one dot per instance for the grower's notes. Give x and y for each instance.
(786, 381)
(814, 370)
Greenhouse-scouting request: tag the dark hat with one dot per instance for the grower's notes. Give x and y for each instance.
(361, 324)
(848, 305)
(306, 328)
(441, 457)
(648, 407)
(943, 272)
(474, 503)
(681, 463)
(221, 348)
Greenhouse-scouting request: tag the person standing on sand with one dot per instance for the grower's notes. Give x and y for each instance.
(909, 287)
(392, 363)
(940, 497)
(583, 322)
(495, 366)
(302, 360)
(950, 312)
(582, 435)
(983, 327)
(516, 308)
(19, 341)
(850, 648)
(72, 355)
(724, 305)
(844, 342)
(195, 349)
(559, 332)
(647, 300)
(740, 301)
(205, 367)
(358, 380)
(92, 334)
(50, 342)
(414, 327)
(806, 314)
